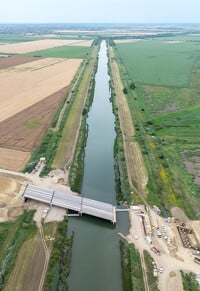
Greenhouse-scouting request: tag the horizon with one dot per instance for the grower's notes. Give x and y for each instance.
(104, 11)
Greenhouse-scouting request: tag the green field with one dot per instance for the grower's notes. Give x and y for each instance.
(159, 63)
(14, 38)
(165, 108)
(71, 52)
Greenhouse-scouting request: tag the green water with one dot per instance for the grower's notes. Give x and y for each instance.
(96, 264)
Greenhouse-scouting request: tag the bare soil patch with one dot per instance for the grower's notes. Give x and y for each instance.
(169, 108)
(179, 213)
(16, 60)
(191, 159)
(13, 160)
(31, 46)
(8, 200)
(32, 82)
(24, 130)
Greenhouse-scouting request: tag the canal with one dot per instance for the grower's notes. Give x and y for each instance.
(96, 263)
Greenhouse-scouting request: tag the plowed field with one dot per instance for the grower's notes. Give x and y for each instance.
(32, 46)
(29, 97)
(24, 130)
(15, 61)
(24, 85)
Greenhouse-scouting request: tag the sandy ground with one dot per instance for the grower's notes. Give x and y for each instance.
(13, 159)
(31, 46)
(10, 205)
(171, 261)
(33, 82)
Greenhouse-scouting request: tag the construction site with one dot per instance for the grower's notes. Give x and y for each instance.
(172, 242)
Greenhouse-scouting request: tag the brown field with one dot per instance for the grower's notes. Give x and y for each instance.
(15, 61)
(33, 82)
(24, 130)
(13, 159)
(37, 45)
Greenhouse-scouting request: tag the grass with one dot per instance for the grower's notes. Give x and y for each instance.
(14, 38)
(69, 132)
(22, 275)
(13, 235)
(31, 124)
(59, 264)
(166, 116)
(152, 281)
(70, 52)
(131, 268)
(136, 269)
(158, 63)
(189, 283)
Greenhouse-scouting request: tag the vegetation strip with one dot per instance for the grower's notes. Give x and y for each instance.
(161, 141)
(152, 280)
(77, 165)
(52, 138)
(59, 264)
(131, 268)
(189, 283)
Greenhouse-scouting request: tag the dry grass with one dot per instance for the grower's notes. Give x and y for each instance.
(135, 165)
(33, 82)
(31, 46)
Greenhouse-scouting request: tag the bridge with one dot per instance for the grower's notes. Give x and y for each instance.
(73, 202)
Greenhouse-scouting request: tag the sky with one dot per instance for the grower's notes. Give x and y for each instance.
(100, 11)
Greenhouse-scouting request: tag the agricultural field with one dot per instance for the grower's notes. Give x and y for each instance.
(37, 45)
(159, 63)
(75, 52)
(165, 110)
(40, 84)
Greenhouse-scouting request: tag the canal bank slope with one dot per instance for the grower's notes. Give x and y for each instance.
(136, 170)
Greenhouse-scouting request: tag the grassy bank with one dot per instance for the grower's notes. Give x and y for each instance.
(121, 175)
(59, 264)
(152, 281)
(77, 165)
(131, 268)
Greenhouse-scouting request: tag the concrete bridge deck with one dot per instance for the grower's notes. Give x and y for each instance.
(73, 202)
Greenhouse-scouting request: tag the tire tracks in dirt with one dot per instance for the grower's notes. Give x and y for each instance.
(47, 256)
